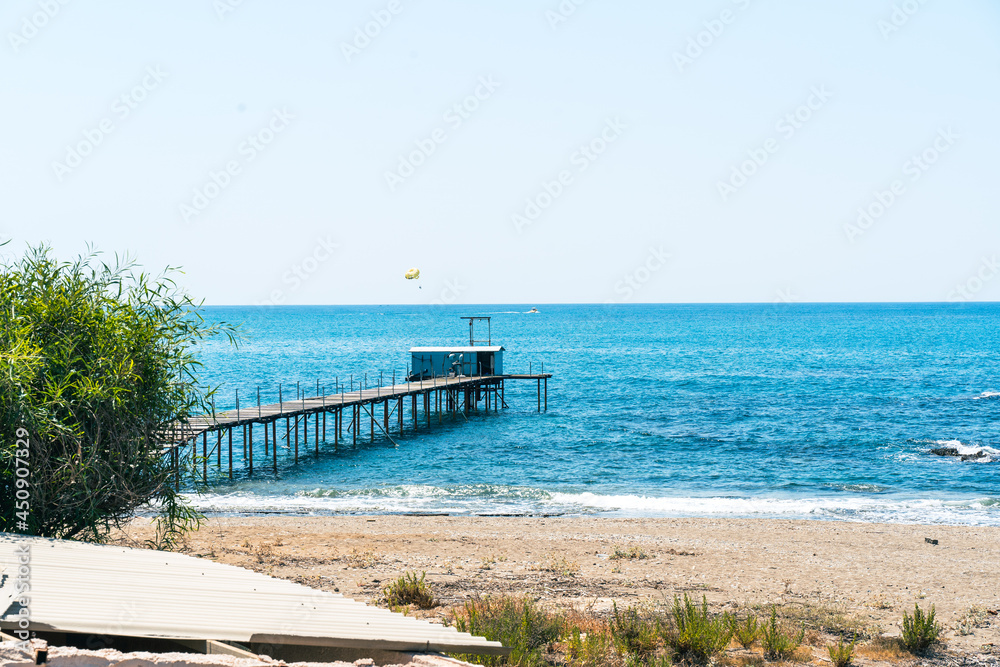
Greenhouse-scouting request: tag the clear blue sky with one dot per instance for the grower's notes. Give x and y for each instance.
(116, 113)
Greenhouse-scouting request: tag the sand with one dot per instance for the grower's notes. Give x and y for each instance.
(831, 574)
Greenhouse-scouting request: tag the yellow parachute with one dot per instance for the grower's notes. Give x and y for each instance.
(412, 274)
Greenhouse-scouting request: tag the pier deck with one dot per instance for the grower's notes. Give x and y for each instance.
(441, 395)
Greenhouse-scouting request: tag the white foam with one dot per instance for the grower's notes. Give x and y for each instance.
(988, 394)
(471, 500)
(971, 450)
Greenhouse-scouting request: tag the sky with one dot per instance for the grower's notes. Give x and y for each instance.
(529, 152)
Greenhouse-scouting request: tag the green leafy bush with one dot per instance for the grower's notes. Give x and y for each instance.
(409, 589)
(517, 623)
(96, 364)
(696, 635)
(778, 642)
(920, 631)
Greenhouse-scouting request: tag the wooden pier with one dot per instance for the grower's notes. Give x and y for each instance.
(291, 421)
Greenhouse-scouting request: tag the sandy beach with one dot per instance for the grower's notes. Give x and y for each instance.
(830, 575)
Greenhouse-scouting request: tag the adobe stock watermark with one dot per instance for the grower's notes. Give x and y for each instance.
(703, 40)
(582, 158)
(301, 271)
(913, 169)
(967, 290)
(449, 293)
(364, 34)
(121, 109)
(634, 280)
(32, 24)
(786, 127)
(562, 12)
(247, 152)
(899, 17)
(223, 8)
(454, 118)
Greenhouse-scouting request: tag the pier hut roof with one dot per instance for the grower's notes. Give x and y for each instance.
(460, 348)
(111, 590)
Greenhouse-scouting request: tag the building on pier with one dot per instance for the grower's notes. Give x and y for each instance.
(431, 362)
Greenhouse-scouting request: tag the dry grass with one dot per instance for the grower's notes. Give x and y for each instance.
(886, 649)
(560, 566)
(362, 560)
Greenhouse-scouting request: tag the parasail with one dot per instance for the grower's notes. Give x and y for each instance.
(412, 274)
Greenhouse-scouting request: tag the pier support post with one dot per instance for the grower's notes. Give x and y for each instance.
(385, 416)
(274, 450)
(317, 431)
(399, 409)
(371, 413)
(230, 453)
(204, 456)
(250, 443)
(297, 439)
(274, 437)
(218, 451)
(354, 424)
(546, 394)
(539, 395)
(414, 406)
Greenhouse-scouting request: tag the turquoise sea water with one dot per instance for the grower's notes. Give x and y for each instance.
(790, 410)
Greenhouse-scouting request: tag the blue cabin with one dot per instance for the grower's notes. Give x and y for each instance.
(432, 362)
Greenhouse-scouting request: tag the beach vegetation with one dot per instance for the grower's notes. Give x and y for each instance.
(841, 654)
(98, 364)
(695, 635)
(628, 553)
(560, 566)
(779, 642)
(747, 631)
(920, 631)
(517, 622)
(409, 589)
(634, 631)
(974, 618)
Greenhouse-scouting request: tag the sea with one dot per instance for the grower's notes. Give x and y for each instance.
(797, 411)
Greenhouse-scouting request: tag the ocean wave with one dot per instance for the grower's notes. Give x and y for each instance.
(486, 499)
(987, 394)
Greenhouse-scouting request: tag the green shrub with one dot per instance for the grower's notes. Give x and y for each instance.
(841, 654)
(746, 631)
(517, 623)
(408, 589)
(96, 365)
(696, 636)
(919, 631)
(778, 642)
(633, 632)
(592, 649)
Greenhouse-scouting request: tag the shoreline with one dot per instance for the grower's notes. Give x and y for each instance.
(865, 574)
